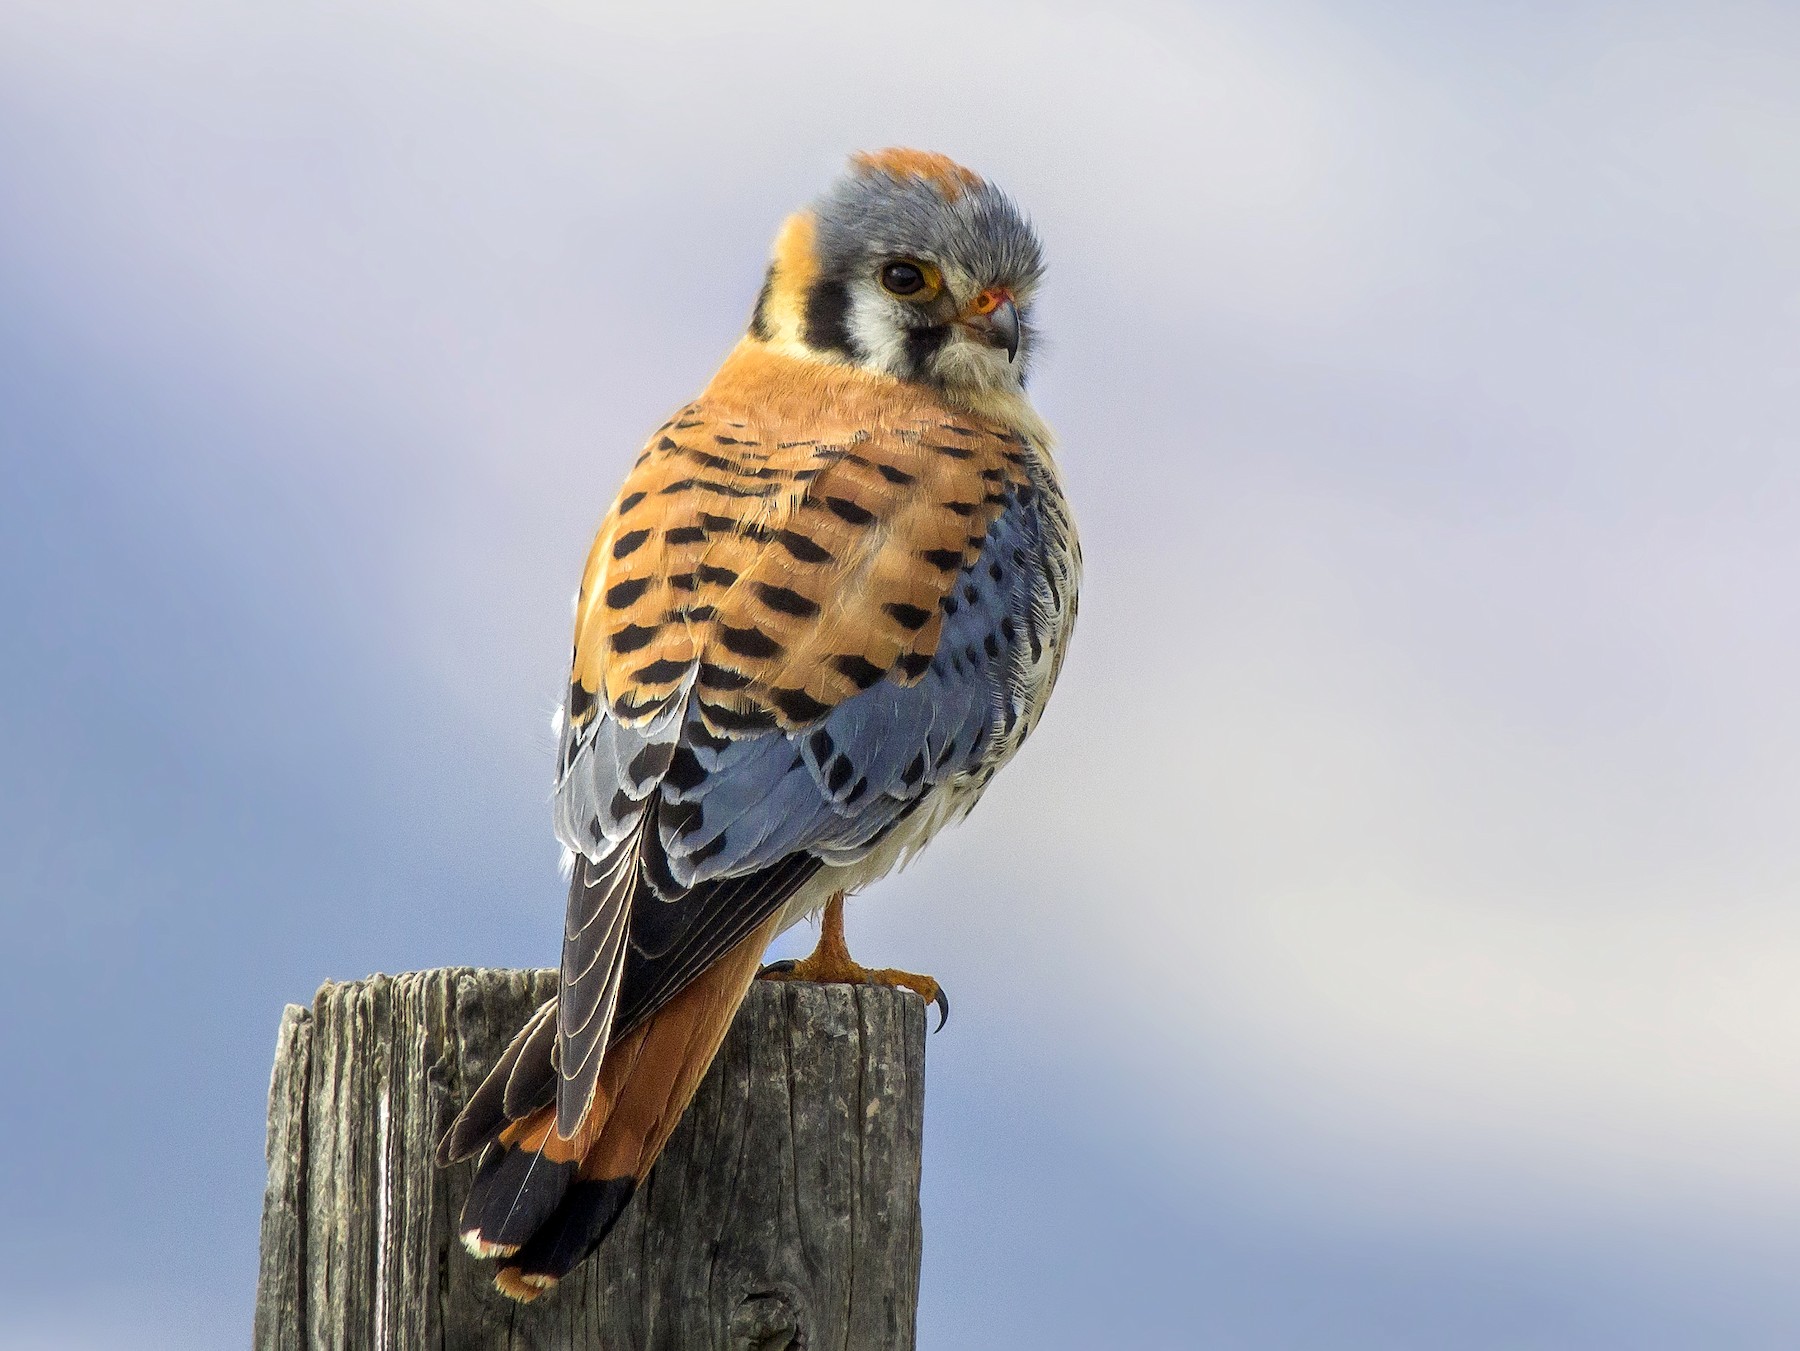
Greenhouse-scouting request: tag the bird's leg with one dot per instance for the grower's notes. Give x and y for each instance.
(832, 964)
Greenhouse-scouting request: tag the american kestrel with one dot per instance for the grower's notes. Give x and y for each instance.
(827, 605)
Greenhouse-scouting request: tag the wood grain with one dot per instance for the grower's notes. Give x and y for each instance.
(783, 1214)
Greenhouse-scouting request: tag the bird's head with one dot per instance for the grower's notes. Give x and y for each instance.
(910, 265)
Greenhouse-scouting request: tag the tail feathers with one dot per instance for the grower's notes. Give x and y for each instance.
(531, 1206)
(588, 1211)
(522, 1081)
(541, 1202)
(514, 1192)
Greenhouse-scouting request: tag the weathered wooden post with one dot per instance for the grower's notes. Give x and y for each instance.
(783, 1214)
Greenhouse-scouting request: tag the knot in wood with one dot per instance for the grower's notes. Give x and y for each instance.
(766, 1320)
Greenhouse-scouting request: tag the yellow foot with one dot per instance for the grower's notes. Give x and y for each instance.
(831, 964)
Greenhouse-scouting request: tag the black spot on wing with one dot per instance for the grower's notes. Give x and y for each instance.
(715, 677)
(621, 807)
(707, 485)
(907, 616)
(629, 543)
(699, 735)
(680, 818)
(801, 547)
(711, 849)
(629, 709)
(798, 705)
(650, 763)
(838, 773)
(581, 701)
(659, 672)
(749, 642)
(846, 510)
(734, 720)
(622, 595)
(685, 772)
(707, 460)
(785, 600)
(862, 672)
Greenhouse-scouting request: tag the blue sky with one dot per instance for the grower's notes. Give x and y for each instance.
(1389, 940)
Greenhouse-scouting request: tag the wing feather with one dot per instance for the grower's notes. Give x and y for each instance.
(593, 962)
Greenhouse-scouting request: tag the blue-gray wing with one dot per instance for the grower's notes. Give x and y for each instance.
(687, 838)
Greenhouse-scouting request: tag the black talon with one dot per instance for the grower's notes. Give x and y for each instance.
(778, 968)
(943, 1004)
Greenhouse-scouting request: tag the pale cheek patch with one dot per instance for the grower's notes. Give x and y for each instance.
(878, 331)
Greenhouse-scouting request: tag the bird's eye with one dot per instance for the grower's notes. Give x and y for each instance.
(904, 277)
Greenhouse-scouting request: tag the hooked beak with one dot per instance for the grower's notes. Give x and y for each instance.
(994, 319)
